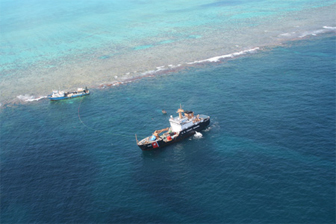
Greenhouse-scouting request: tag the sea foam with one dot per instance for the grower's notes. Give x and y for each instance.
(29, 98)
(329, 27)
(218, 58)
(325, 29)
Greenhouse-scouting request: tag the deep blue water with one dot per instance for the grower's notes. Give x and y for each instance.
(268, 156)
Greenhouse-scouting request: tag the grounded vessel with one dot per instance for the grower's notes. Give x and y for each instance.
(181, 127)
(61, 95)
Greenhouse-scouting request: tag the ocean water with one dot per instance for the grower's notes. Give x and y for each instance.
(267, 157)
(263, 70)
(47, 45)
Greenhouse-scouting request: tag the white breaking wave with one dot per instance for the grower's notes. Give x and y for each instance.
(319, 31)
(160, 69)
(213, 59)
(198, 135)
(28, 98)
(218, 58)
(329, 27)
(287, 34)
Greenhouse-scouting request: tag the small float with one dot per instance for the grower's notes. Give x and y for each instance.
(61, 95)
(182, 126)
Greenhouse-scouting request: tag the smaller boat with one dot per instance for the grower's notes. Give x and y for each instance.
(61, 95)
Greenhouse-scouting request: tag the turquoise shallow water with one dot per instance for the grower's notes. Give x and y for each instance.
(268, 156)
(48, 45)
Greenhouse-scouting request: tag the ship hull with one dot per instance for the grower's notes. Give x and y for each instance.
(183, 134)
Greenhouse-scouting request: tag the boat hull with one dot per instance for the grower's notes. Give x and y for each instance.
(183, 134)
(67, 97)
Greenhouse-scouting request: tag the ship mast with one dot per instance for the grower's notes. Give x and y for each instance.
(180, 111)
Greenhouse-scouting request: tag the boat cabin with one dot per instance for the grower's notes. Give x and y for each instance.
(182, 122)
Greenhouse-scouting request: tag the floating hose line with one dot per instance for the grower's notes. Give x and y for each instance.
(93, 129)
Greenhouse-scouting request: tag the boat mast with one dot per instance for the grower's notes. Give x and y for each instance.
(180, 111)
